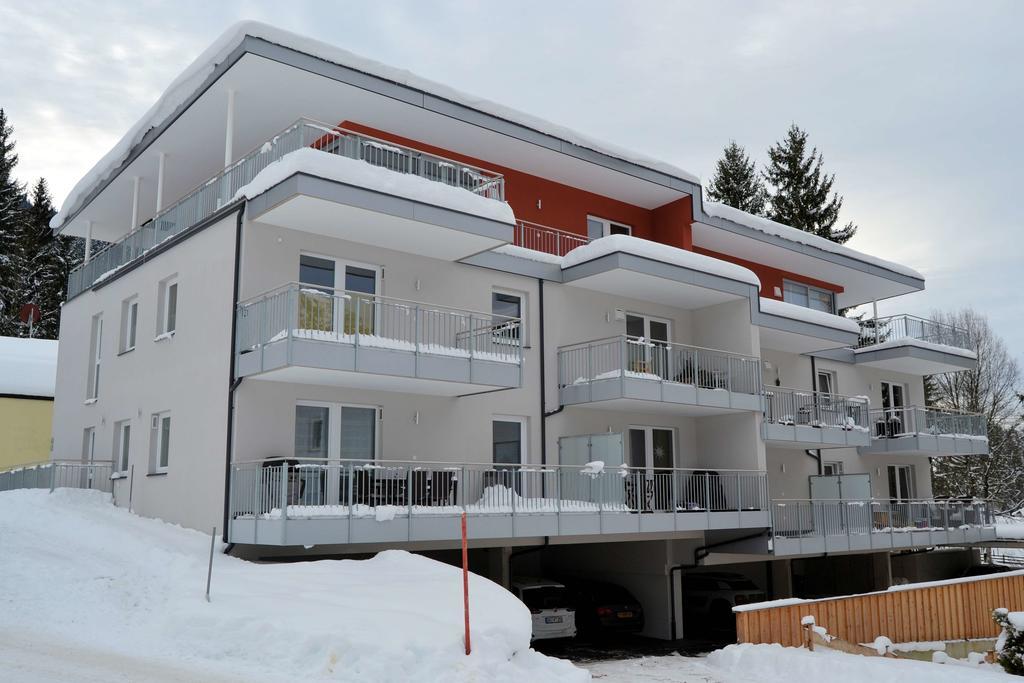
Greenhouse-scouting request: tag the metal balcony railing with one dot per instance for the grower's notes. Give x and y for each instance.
(824, 518)
(636, 358)
(309, 488)
(879, 330)
(815, 409)
(58, 474)
(298, 311)
(205, 199)
(914, 420)
(549, 240)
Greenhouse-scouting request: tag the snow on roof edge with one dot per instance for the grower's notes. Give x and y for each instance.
(770, 227)
(185, 84)
(808, 315)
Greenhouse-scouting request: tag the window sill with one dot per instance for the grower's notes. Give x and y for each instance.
(156, 474)
(121, 353)
(90, 401)
(118, 475)
(163, 336)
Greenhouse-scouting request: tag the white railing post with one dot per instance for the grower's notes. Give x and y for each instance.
(284, 492)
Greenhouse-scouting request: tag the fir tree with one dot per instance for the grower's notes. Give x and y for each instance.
(737, 183)
(49, 260)
(800, 193)
(12, 218)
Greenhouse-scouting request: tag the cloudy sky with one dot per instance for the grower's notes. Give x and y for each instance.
(915, 105)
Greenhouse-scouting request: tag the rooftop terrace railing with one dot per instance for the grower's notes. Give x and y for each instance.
(879, 330)
(815, 409)
(548, 240)
(220, 190)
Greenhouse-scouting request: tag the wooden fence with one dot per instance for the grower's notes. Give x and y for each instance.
(949, 611)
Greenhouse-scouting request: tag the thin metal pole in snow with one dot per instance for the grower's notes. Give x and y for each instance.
(131, 485)
(209, 569)
(465, 582)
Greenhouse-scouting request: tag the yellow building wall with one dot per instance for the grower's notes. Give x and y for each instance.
(25, 427)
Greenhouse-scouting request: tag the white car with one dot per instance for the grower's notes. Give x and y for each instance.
(548, 602)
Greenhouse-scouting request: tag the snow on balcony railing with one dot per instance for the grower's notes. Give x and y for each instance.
(59, 474)
(385, 489)
(794, 519)
(637, 358)
(815, 409)
(220, 190)
(879, 330)
(299, 311)
(891, 423)
(548, 240)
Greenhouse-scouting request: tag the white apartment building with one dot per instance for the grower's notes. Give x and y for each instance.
(336, 305)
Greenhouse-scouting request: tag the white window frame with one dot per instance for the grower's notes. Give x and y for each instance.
(163, 307)
(129, 324)
(89, 444)
(835, 465)
(649, 445)
(96, 351)
(159, 439)
(524, 437)
(808, 289)
(334, 426)
(340, 265)
(524, 338)
(606, 225)
(911, 480)
(122, 451)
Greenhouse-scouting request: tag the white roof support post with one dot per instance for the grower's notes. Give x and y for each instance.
(161, 160)
(88, 240)
(229, 130)
(136, 182)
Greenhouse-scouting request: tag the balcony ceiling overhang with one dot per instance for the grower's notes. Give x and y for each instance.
(914, 360)
(862, 281)
(273, 91)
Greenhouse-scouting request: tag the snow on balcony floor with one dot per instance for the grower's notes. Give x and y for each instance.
(379, 342)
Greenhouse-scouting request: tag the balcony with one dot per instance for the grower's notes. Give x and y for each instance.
(813, 527)
(548, 240)
(627, 373)
(317, 502)
(314, 335)
(927, 431)
(220, 190)
(801, 419)
(904, 343)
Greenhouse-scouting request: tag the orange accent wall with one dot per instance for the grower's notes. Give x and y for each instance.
(771, 277)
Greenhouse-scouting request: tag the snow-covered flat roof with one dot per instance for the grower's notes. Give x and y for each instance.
(808, 315)
(28, 367)
(356, 172)
(189, 81)
(770, 227)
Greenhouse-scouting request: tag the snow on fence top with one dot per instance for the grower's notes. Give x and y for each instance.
(770, 227)
(28, 367)
(185, 85)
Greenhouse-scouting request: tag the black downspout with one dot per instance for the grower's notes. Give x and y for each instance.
(815, 453)
(233, 381)
(699, 553)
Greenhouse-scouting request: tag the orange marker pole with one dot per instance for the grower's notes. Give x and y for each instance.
(465, 580)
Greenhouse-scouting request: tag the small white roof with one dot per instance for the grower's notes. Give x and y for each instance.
(28, 367)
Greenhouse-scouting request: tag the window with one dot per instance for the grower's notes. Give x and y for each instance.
(826, 381)
(647, 347)
(96, 356)
(508, 440)
(122, 441)
(89, 444)
(832, 469)
(504, 307)
(808, 297)
(160, 455)
(602, 227)
(901, 482)
(329, 431)
(651, 447)
(129, 322)
(356, 307)
(167, 308)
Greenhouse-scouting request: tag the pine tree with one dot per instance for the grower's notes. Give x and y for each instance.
(49, 260)
(12, 218)
(737, 182)
(800, 193)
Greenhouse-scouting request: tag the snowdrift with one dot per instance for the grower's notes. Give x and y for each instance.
(94, 576)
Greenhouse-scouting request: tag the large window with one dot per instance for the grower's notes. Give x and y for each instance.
(167, 306)
(508, 440)
(122, 443)
(356, 307)
(329, 431)
(602, 227)
(160, 451)
(129, 323)
(808, 297)
(901, 482)
(96, 357)
(503, 307)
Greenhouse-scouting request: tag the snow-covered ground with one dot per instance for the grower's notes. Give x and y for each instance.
(94, 593)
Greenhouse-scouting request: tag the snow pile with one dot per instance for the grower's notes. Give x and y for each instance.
(777, 664)
(28, 367)
(808, 315)
(90, 576)
(179, 91)
(658, 252)
(770, 227)
(356, 172)
(593, 468)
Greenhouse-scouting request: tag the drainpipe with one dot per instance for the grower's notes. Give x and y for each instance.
(234, 382)
(815, 453)
(699, 553)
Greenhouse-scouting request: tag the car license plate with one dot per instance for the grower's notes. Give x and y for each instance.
(625, 615)
(552, 620)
